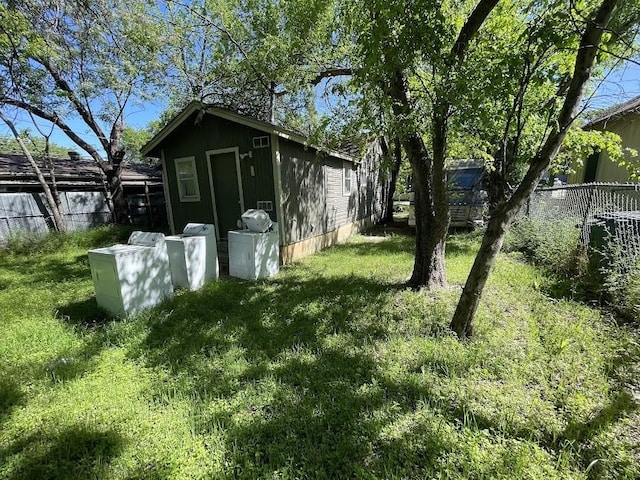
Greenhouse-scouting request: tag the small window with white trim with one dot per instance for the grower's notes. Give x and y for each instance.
(347, 178)
(260, 142)
(187, 176)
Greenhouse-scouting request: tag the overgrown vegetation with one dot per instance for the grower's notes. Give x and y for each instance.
(620, 282)
(582, 273)
(549, 244)
(332, 369)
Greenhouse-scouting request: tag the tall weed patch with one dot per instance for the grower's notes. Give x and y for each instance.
(580, 272)
(549, 244)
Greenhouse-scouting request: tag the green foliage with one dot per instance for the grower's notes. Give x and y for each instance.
(9, 145)
(133, 140)
(580, 144)
(331, 369)
(75, 61)
(245, 54)
(25, 243)
(623, 292)
(550, 244)
(619, 272)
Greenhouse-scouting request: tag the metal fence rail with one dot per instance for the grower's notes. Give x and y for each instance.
(607, 214)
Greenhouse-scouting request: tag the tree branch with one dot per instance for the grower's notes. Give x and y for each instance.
(471, 27)
(330, 73)
(83, 111)
(60, 124)
(585, 60)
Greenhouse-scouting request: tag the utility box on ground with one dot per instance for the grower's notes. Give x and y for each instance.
(254, 255)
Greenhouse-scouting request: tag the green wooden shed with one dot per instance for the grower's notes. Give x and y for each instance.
(216, 164)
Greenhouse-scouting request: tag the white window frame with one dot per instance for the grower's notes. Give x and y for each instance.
(261, 142)
(181, 191)
(347, 167)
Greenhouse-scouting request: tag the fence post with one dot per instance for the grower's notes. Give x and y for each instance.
(148, 201)
(585, 236)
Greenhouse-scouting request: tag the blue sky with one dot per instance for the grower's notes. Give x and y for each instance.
(619, 85)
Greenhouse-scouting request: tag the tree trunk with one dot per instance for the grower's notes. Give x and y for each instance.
(117, 199)
(462, 322)
(393, 180)
(431, 204)
(54, 186)
(431, 231)
(58, 219)
(115, 155)
(492, 240)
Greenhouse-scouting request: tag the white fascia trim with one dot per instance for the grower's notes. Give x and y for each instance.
(242, 120)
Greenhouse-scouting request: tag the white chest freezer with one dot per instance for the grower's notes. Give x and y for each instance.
(132, 277)
(254, 255)
(193, 256)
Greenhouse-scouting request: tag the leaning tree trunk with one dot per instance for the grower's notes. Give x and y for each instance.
(54, 184)
(462, 322)
(58, 219)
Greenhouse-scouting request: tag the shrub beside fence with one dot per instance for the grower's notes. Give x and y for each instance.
(606, 221)
(606, 214)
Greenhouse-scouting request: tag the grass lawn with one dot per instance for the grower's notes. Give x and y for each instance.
(332, 369)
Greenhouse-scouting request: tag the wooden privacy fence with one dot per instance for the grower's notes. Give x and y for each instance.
(29, 212)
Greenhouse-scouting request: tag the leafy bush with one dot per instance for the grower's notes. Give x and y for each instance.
(555, 246)
(549, 244)
(622, 288)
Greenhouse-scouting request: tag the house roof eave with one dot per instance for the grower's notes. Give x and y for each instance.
(266, 127)
(615, 112)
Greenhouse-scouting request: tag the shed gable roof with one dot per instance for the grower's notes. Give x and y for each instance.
(260, 125)
(615, 111)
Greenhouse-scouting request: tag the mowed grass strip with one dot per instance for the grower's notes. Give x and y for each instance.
(332, 369)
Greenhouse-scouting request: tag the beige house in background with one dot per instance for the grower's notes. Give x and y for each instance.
(622, 119)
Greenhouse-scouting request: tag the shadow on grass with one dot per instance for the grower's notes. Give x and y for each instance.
(47, 270)
(303, 393)
(265, 318)
(11, 396)
(311, 338)
(84, 313)
(77, 452)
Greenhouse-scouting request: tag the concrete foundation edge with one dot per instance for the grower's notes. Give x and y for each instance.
(292, 252)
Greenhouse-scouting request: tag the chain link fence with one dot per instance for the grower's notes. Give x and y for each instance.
(607, 215)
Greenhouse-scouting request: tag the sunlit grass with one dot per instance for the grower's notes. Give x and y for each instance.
(332, 369)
